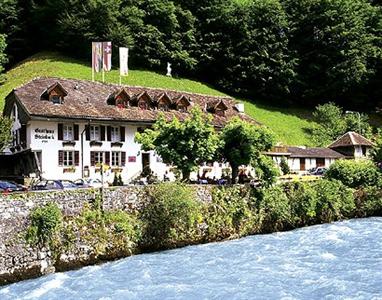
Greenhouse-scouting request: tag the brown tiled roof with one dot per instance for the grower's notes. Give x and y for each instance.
(351, 139)
(313, 152)
(88, 100)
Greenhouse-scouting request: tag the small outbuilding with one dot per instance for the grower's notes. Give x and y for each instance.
(352, 145)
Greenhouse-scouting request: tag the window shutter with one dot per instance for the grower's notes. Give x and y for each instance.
(60, 158)
(76, 158)
(102, 133)
(107, 158)
(87, 130)
(123, 159)
(76, 132)
(60, 131)
(122, 131)
(92, 158)
(109, 133)
(23, 134)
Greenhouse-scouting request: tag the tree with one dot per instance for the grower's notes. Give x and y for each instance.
(376, 153)
(333, 122)
(3, 57)
(186, 144)
(5, 132)
(243, 144)
(334, 44)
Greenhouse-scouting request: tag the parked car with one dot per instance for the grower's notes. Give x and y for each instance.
(10, 187)
(319, 171)
(90, 183)
(68, 184)
(45, 185)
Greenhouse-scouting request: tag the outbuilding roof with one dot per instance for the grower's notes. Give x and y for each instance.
(351, 139)
(89, 100)
(309, 152)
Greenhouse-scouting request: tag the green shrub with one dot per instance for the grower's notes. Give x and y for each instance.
(172, 216)
(354, 173)
(334, 201)
(45, 223)
(369, 202)
(303, 201)
(284, 166)
(230, 213)
(275, 209)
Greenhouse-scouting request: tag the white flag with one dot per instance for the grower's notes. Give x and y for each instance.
(123, 61)
(106, 56)
(97, 56)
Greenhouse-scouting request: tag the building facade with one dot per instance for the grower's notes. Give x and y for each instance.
(71, 127)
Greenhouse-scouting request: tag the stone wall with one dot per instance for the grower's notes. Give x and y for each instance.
(19, 261)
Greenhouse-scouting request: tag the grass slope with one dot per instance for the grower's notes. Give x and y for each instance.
(289, 124)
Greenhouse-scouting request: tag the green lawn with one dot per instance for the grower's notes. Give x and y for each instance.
(289, 124)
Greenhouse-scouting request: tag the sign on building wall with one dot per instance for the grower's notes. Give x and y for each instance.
(43, 134)
(132, 159)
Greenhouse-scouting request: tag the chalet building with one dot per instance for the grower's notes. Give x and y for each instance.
(353, 145)
(65, 128)
(300, 159)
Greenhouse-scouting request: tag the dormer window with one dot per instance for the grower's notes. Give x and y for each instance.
(143, 101)
(119, 98)
(182, 103)
(54, 93)
(164, 102)
(217, 107)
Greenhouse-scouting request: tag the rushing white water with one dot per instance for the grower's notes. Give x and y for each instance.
(333, 261)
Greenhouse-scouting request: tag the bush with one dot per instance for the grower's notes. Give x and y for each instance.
(303, 201)
(172, 216)
(230, 213)
(354, 173)
(334, 201)
(275, 210)
(45, 223)
(284, 166)
(369, 202)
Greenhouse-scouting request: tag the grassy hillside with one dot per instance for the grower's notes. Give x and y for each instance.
(290, 125)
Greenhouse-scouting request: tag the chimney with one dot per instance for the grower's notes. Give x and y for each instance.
(240, 107)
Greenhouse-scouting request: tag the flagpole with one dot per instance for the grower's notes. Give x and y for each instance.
(103, 75)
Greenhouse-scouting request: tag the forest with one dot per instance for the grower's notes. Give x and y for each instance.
(286, 52)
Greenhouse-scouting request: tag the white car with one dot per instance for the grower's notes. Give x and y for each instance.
(91, 183)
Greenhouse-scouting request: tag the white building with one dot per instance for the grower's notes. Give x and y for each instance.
(301, 159)
(65, 128)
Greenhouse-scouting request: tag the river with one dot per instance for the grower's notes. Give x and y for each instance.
(342, 260)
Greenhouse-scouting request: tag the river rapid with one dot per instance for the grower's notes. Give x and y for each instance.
(342, 260)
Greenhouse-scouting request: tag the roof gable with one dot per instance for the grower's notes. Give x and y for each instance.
(350, 139)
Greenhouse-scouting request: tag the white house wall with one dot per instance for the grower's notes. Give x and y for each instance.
(42, 136)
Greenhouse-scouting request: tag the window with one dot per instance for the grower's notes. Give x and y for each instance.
(68, 158)
(182, 108)
(98, 157)
(163, 106)
(115, 135)
(115, 159)
(142, 105)
(68, 132)
(220, 112)
(95, 133)
(56, 99)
